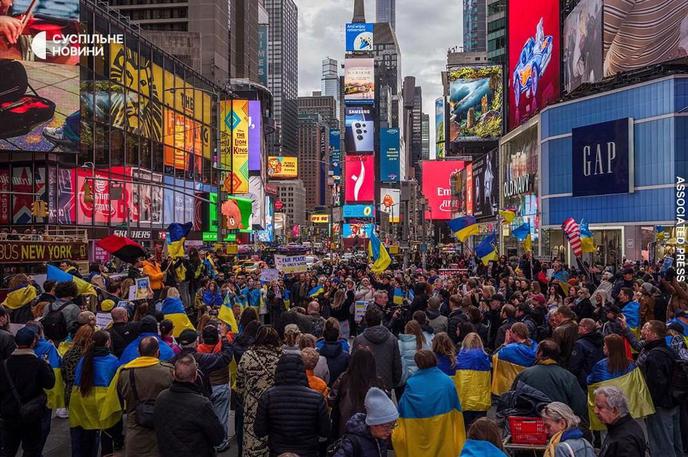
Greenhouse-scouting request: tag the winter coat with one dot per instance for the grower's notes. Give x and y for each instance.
(385, 348)
(583, 309)
(344, 404)
(407, 350)
(456, 317)
(501, 331)
(121, 334)
(656, 362)
(587, 351)
(572, 444)
(7, 345)
(185, 423)
(210, 362)
(566, 335)
(625, 438)
(291, 415)
(438, 322)
(358, 442)
(154, 273)
(30, 376)
(337, 359)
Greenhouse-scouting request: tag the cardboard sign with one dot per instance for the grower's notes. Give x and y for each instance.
(142, 288)
(360, 308)
(269, 275)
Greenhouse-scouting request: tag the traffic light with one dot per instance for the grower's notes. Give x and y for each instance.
(39, 208)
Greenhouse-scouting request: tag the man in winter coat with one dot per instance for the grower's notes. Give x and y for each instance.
(290, 414)
(207, 362)
(185, 423)
(437, 321)
(587, 351)
(332, 349)
(383, 345)
(523, 314)
(565, 334)
(367, 435)
(624, 438)
(7, 345)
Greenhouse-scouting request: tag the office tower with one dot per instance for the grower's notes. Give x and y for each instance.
(386, 12)
(417, 129)
(496, 31)
(474, 25)
(329, 82)
(321, 104)
(283, 73)
(359, 11)
(425, 136)
(313, 154)
(245, 38)
(292, 194)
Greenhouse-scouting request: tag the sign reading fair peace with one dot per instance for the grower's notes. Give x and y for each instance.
(603, 158)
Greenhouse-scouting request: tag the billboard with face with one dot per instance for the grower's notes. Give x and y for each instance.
(437, 188)
(485, 186)
(360, 179)
(359, 81)
(389, 203)
(357, 230)
(475, 102)
(583, 45)
(534, 67)
(360, 129)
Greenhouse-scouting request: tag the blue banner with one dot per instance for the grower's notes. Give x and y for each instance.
(359, 37)
(335, 152)
(263, 54)
(603, 158)
(389, 155)
(358, 211)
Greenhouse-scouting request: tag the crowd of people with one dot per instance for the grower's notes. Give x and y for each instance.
(340, 361)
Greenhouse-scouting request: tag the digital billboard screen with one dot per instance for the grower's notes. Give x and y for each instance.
(234, 142)
(360, 179)
(389, 203)
(534, 64)
(437, 187)
(359, 81)
(485, 186)
(358, 211)
(439, 129)
(583, 45)
(281, 167)
(357, 230)
(360, 129)
(475, 102)
(255, 129)
(389, 155)
(335, 152)
(359, 37)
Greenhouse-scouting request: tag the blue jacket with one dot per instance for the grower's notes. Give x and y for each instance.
(337, 359)
(358, 442)
(587, 351)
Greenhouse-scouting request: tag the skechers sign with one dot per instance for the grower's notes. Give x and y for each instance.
(603, 158)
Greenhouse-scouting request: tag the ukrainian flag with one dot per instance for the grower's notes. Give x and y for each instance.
(508, 362)
(226, 315)
(173, 309)
(379, 254)
(20, 297)
(430, 418)
(632, 314)
(398, 297)
(480, 448)
(528, 243)
(508, 215)
(131, 352)
(486, 250)
(587, 242)
(85, 410)
(316, 291)
(242, 298)
(255, 297)
(286, 297)
(177, 234)
(463, 227)
(472, 379)
(57, 275)
(631, 382)
(521, 231)
(47, 351)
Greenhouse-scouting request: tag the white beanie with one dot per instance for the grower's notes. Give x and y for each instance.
(379, 408)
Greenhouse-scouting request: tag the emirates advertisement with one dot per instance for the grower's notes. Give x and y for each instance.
(360, 178)
(437, 188)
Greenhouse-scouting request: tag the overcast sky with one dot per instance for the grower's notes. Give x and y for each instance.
(425, 30)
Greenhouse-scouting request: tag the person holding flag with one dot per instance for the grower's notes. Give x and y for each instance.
(378, 254)
(511, 359)
(487, 249)
(173, 310)
(176, 236)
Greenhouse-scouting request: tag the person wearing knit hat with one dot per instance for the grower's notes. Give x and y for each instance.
(107, 305)
(380, 410)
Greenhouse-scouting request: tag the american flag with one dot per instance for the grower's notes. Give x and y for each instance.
(572, 230)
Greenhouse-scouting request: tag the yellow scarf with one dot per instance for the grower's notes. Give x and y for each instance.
(142, 362)
(552, 445)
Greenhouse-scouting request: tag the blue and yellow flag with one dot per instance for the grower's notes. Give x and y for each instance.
(286, 297)
(587, 241)
(226, 315)
(508, 215)
(316, 291)
(521, 231)
(176, 236)
(472, 379)
(632, 384)
(632, 314)
(398, 297)
(508, 362)
(131, 352)
(378, 253)
(528, 243)
(480, 448)
(463, 227)
(57, 275)
(85, 410)
(47, 351)
(20, 297)
(487, 249)
(430, 418)
(173, 309)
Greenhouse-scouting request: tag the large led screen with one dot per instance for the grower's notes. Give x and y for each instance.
(389, 203)
(360, 129)
(534, 66)
(475, 102)
(360, 179)
(485, 186)
(359, 80)
(255, 128)
(389, 155)
(359, 36)
(439, 129)
(437, 188)
(583, 45)
(234, 143)
(357, 230)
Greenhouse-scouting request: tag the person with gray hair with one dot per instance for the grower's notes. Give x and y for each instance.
(566, 439)
(624, 437)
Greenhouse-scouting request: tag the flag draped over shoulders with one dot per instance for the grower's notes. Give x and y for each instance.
(20, 297)
(47, 351)
(112, 405)
(479, 448)
(430, 418)
(472, 379)
(85, 410)
(173, 309)
(508, 362)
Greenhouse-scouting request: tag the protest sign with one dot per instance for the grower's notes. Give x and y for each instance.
(291, 264)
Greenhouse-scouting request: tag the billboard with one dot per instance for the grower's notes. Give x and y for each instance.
(182, 142)
(359, 81)
(335, 152)
(234, 143)
(389, 203)
(534, 64)
(518, 174)
(320, 218)
(358, 211)
(359, 37)
(602, 159)
(357, 230)
(360, 129)
(389, 156)
(485, 186)
(439, 129)
(643, 34)
(281, 167)
(583, 45)
(475, 102)
(263, 54)
(255, 130)
(437, 188)
(257, 195)
(360, 179)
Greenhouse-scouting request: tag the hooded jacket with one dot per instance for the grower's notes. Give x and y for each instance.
(290, 414)
(385, 348)
(407, 350)
(437, 321)
(337, 359)
(587, 351)
(358, 442)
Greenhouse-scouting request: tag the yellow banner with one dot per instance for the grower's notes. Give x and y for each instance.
(234, 126)
(280, 167)
(320, 218)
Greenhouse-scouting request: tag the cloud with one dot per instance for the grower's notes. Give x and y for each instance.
(425, 30)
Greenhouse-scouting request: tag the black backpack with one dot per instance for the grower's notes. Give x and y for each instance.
(334, 447)
(55, 324)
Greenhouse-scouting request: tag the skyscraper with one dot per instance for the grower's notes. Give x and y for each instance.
(425, 136)
(324, 105)
(496, 31)
(329, 81)
(283, 73)
(313, 153)
(386, 11)
(417, 129)
(474, 25)
(245, 38)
